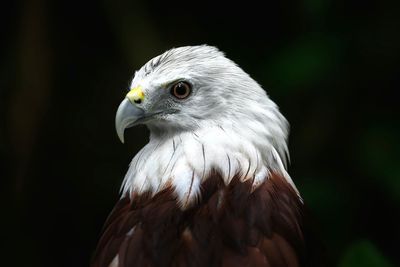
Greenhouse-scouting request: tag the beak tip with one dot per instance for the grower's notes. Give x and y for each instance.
(126, 116)
(120, 134)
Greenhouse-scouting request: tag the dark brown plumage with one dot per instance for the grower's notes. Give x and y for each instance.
(230, 225)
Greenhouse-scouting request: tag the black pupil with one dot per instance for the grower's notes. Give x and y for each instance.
(180, 89)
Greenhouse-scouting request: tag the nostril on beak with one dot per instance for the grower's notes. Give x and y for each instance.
(136, 95)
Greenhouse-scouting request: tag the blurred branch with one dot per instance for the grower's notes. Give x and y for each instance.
(28, 103)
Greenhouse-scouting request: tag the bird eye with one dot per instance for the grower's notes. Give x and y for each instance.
(181, 90)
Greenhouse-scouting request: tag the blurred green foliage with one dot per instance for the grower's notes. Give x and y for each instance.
(363, 253)
(379, 148)
(303, 63)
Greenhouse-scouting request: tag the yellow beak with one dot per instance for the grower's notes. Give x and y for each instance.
(136, 95)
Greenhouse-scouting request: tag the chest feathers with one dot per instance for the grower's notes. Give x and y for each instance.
(206, 198)
(230, 225)
(184, 161)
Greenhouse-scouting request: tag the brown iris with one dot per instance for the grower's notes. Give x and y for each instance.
(181, 90)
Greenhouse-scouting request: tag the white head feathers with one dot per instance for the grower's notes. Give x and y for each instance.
(227, 124)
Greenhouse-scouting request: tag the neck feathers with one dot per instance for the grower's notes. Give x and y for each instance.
(184, 161)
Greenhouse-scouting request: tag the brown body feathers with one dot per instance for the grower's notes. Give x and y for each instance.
(230, 225)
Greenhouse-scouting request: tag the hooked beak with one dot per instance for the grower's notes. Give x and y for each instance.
(127, 116)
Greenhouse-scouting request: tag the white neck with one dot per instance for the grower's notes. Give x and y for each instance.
(184, 160)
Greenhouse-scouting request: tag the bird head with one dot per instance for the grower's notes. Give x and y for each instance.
(190, 87)
(195, 101)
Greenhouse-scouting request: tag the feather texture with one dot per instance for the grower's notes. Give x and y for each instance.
(211, 187)
(227, 123)
(230, 225)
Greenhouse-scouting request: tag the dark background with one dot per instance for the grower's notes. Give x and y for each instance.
(331, 66)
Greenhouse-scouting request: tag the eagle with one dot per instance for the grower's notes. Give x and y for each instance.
(211, 187)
